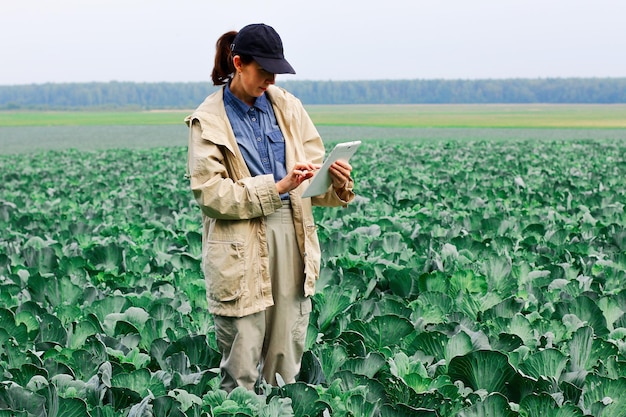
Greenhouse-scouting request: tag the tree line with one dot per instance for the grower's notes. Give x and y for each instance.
(178, 95)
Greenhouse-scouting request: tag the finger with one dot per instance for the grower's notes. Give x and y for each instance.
(341, 164)
(309, 166)
(314, 167)
(303, 173)
(340, 172)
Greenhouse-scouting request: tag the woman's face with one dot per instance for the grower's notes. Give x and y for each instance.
(250, 80)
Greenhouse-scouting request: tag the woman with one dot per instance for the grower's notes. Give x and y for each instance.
(251, 147)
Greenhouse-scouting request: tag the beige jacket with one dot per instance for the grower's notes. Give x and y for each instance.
(234, 204)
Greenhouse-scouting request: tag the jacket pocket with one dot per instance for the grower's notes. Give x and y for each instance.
(224, 268)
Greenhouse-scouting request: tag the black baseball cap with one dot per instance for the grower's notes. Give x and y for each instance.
(264, 45)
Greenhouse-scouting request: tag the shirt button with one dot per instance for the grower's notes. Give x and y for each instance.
(254, 119)
(258, 139)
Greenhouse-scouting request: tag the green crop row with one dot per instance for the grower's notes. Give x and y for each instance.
(469, 278)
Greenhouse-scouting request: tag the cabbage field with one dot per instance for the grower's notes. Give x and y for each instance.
(470, 278)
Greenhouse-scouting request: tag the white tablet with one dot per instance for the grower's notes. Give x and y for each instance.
(321, 180)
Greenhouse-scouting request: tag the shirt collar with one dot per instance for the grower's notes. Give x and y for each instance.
(261, 103)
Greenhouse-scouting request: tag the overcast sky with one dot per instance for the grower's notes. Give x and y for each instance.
(174, 40)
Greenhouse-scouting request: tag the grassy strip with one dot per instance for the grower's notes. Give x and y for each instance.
(447, 115)
(474, 115)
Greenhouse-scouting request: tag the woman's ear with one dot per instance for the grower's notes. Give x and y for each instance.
(237, 63)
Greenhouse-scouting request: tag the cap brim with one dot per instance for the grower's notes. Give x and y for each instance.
(275, 66)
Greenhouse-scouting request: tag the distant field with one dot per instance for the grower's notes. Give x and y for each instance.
(90, 118)
(26, 132)
(407, 116)
(474, 115)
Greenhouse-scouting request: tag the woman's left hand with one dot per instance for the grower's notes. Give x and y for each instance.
(340, 174)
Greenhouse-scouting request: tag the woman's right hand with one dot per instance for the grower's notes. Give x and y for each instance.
(301, 171)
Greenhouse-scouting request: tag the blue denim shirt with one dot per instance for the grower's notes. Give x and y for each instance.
(259, 138)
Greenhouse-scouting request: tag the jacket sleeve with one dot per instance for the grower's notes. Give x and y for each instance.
(220, 192)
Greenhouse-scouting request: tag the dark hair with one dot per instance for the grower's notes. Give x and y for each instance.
(223, 67)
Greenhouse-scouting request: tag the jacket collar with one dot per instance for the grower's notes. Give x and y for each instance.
(215, 125)
(214, 121)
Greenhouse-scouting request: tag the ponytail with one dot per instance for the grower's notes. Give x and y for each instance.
(223, 68)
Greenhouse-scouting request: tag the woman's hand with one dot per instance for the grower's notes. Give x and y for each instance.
(340, 174)
(300, 172)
